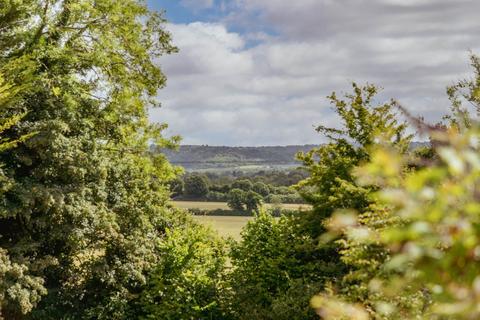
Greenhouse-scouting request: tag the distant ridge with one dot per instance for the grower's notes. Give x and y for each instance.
(204, 156)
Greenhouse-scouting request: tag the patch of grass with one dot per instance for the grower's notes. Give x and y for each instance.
(226, 226)
(205, 205)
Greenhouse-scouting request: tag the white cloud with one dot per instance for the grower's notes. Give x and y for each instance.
(221, 90)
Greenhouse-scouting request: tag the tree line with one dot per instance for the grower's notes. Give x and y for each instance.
(240, 192)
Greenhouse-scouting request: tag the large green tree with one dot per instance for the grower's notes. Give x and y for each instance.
(331, 184)
(20, 290)
(86, 208)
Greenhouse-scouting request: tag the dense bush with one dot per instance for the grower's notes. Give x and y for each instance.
(217, 196)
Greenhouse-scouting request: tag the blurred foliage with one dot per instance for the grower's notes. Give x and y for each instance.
(415, 252)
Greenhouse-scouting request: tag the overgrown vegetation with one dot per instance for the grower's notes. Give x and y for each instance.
(87, 230)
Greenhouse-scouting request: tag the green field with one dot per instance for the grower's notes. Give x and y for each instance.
(223, 205)
(225, 226)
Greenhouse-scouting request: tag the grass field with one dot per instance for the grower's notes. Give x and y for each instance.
(225, 226)
(223, 205)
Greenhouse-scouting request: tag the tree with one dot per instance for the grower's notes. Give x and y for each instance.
(331, 184)
(86, 210)
(261, 188)
(20, 289)
(271, 279)
(420, 230)
(252, 201)
(236, 199)
(188, 282)
(196, 186)
(242, 184)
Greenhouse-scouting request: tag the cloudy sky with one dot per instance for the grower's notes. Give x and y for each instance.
(256, 72)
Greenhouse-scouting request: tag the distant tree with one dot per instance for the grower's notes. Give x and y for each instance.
(216, 196)
(261, 188)
(252, 201)
(236, 199)
(243, 184)
(196, 186)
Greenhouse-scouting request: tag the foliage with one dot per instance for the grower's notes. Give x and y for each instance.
(415, 251)
(20, 291)
(196, 186)
(85, 213)
(188, 281)
(253, 201)
(219, 187)
(244, 184)
(271, 278)
(261, 188)
(331, 184)
(236, 199)
(177, 187)
(216, 196)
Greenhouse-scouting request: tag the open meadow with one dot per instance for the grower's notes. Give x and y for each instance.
(227, 226)
(205, 205)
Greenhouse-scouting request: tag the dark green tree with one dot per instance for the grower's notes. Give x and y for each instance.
(261, 188)
(243, 184)
(271, 278)
(20, 288)
(236, 199)
(177, 187)
(252, 201)
(196, 186)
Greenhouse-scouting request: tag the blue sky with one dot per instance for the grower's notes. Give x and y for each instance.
(253, 72)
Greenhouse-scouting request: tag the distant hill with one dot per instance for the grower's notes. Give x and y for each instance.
(196, 157)
(204, 157)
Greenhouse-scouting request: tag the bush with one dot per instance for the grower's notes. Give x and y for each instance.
(261, 188)
(252, 201)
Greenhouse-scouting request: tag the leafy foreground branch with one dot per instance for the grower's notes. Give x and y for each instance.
(415, 252)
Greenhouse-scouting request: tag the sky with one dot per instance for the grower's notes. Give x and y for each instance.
(257, 72)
